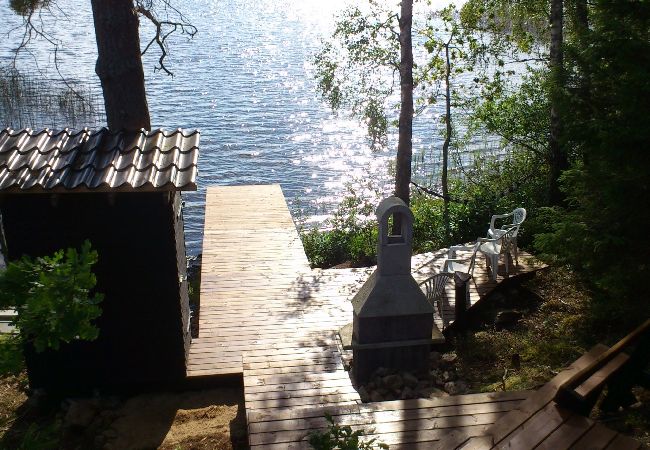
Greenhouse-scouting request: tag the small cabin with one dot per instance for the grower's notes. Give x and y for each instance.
(121, 191)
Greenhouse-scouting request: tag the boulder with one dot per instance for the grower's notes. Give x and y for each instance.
(448, 375)
(449, 359)
(456, 387)
(375, 396)
(434, 359)
(410, 380)
(435, 393)
(393, 382)
(80, 413)
(363, 394)
(407, 393)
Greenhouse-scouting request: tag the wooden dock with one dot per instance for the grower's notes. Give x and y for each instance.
(266, 316)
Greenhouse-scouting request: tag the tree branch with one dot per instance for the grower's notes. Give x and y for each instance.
(429, 191)
(164, 28)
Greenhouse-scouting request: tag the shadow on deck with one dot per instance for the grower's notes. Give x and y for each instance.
(269, 317)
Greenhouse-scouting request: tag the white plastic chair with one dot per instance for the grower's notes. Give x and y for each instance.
(518, 216)
(454, 264)
(434, 288)
(494, 248)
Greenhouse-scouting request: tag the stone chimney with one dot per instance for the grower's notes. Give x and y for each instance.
(393, 321)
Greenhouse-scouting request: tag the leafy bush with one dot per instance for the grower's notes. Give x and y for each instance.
(489, 187)
(342, 438)
(52, 298)
(349, 235)
(11, 357)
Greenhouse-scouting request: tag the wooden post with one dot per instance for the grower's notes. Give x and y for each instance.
(461, 288)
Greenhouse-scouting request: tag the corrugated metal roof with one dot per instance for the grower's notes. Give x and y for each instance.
(98, 160)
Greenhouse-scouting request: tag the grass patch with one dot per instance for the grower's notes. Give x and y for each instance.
(552, 333)
(23, 423)
(561, 319)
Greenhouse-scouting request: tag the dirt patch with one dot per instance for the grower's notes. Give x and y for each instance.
(208, 419)
(212, 419)
(12, 397)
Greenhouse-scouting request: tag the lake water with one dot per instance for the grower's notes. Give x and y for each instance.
(246, 82)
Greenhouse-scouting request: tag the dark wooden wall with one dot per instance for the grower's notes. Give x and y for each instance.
(144, 336)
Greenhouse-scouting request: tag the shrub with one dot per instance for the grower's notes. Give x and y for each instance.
(489, 187)
(342, 438)
(52, 298)
(349, 235)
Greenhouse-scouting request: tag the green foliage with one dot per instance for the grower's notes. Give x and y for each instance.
(554, 331)
(342, 438)
(602, 229)
(40, 437)
(52, 297)
(11, 354)
(522, 24)
(520, 117)
(489, 188)
(28, 7)
(349, 235)
(356, 69)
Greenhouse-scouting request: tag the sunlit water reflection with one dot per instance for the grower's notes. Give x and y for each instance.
(246, 82)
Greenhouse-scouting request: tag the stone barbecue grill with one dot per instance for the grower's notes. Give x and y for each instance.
(393, 323)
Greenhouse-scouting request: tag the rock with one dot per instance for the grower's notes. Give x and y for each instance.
(363, 394)
(407, 393)
(410, 380)
(436, 377)
(448, 375)
(456, 387)
(435, 392)
(110, 434)
(424, 391)
(99, 441)
(393, 382)
(507, 318)
(370, 386)
(449, 359)
(375, 396)
(111, 402)
(194, 266)
(382, 372)
(80, 413)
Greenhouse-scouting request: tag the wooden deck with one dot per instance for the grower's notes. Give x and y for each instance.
(257, 290)
(539, 422)
(266, 316)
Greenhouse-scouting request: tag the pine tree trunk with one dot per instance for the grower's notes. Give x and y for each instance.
(582, 15)
(581, 25)
(404, 145)
(557, 154)
(119, 64)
